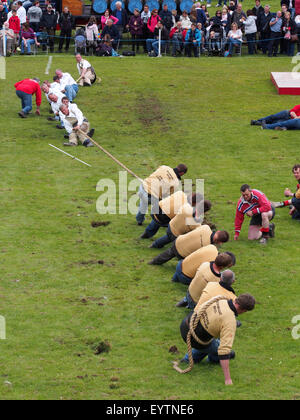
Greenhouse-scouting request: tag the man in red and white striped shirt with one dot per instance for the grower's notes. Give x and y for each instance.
(24, 90)
(255, 204)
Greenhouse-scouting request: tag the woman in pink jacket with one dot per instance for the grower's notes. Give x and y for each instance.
(107, 15)
(152, 22)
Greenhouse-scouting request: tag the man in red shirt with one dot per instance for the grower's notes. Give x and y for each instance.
(255, 204)
(279, 121)
(24, 90)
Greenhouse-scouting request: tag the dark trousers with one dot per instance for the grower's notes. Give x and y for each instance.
(189, 47)
(296, 204)
(51, 38)
(264, 41)
(136, 41)
(65, 34)
(274, 43)
(251, 38)
(166, 256)
(35, 26)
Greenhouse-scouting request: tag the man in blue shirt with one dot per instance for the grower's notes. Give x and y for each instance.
(275, 25)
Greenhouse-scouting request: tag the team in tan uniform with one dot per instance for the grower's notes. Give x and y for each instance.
(186, 244)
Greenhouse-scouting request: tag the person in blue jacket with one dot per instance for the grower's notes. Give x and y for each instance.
(192, 41)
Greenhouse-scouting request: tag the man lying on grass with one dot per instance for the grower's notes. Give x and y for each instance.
(294, 202)
(214, 333)
(283, 120)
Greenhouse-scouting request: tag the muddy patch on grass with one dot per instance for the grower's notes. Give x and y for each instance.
(91, 262)
(99, 224)
(150, 112)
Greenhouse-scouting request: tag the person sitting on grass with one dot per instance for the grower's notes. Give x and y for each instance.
(76, 125)
(28, 39)
(68, 84)
(24, 90)
(293, 202)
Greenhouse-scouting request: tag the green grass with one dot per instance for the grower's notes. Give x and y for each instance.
(147, 112)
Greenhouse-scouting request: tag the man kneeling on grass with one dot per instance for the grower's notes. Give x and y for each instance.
(76, 125)
(294, 202)
(215, 331)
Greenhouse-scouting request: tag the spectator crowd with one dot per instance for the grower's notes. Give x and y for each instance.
(26, 24)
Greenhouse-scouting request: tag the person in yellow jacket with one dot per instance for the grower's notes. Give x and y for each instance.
(186, 269)
(207, 273)
(188, 219)
(216, 330)
(168, 208)
(186, 244)
(162, 183)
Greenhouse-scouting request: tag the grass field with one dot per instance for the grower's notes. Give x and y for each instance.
(59, 303)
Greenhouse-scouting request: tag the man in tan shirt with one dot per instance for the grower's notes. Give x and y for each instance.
(157, 186)
(168, 208)
(186, 269)
(216, 329)
(188, 219)
(209, 272)
(186, 244)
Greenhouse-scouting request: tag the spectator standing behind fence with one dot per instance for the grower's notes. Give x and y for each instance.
(201, 16)
(21, 12)
(48, 24)
(276, 34)
(145, 16)
(225, 19)
(15, 25)
(257, 9)
(238, 16)
(66, 23)
(250, 31)
(10, 36)
(166, 17)
(92, 35)
(152, 22)
(28, 38)
(3, 15)
(263, 26)
(185, 20)
(122, 17)
(175, 18)
(289, 30)
(34, 15)
(107, 15)
(136, 29)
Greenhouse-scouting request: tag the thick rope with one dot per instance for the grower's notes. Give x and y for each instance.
(195, 318)
(111, 156)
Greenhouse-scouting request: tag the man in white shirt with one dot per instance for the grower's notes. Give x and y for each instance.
(86, 71)
(74, 121)
(68, 84)
(21, 12)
